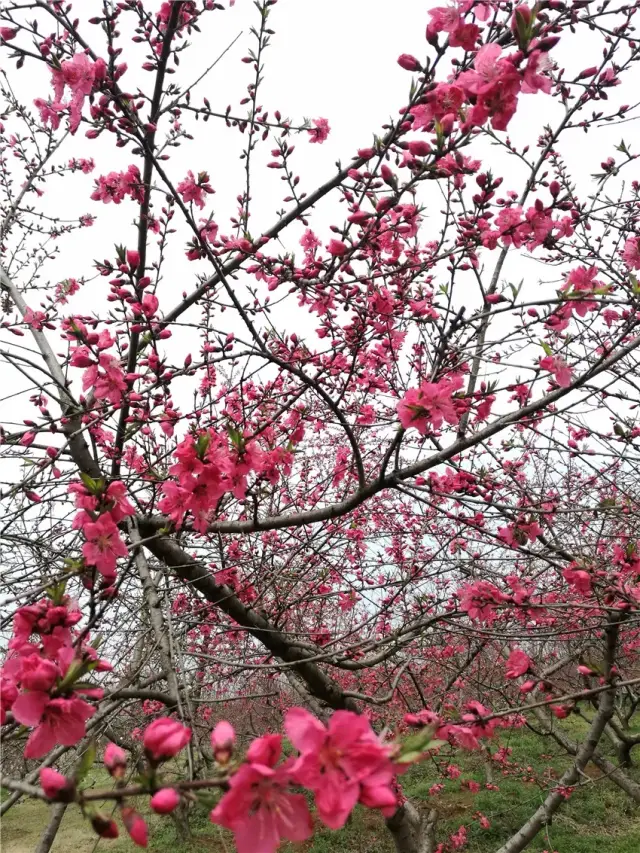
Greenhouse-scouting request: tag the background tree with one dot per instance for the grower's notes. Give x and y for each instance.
(377, 459)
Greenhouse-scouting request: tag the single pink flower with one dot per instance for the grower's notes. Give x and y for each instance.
(428, 406)
(560, 369)
(518, 663)
(103, 545)
(259, 808)
(194, 191)
(631, 253)
(341, 764)
(57, 721)
(320, 130)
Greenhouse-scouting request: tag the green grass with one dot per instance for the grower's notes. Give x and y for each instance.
(598, 818)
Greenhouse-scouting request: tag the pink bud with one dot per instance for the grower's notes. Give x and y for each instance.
(6, 33)
(408, 62)
(56, 786)
(419, 148)
(547, 44)
(588, 72)
(336, 248)
(115, 760)
(222, 740)
(104, 826)
(584, 670)
(133, 258)
(387, 175)
(164, 738)
(366, 153)
(524, 12)
(359, 217)
(385, 203)
(135, 826)
(165, 800)
(27, 439)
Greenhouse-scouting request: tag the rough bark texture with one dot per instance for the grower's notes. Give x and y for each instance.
(412, 833)
(49, 835)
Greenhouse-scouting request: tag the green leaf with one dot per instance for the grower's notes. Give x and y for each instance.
(86, 762)
(202, 444)
(94, 486)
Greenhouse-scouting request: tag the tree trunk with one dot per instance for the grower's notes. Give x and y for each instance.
(49, 835)
(411, 834)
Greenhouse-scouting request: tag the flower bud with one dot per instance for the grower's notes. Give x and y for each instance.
(115, 760)
(135, 826)
(164, 738)
(165, 800)
(408, 62)
(419, 148)
(133, 258)
(222, 740)
(56, 786)
(104, 826)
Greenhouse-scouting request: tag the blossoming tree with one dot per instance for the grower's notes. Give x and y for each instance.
(346, 483)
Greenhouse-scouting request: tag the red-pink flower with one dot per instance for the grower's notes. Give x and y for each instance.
(37, 673)
(57, 721)
(631, 253)
(341, 764)
(442, 101)
(535, 78)
(259, 808)
(560, 369)
(319, 131)
(50, 113)
(103, 545)
(164, 738)
(428, 406)
(8, 695)
(79, 74)
(578, 578)
(194, 191)
(488, 68)
(518, 663)
(479, 600)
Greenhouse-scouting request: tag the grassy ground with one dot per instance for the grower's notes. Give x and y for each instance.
(598, 818)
